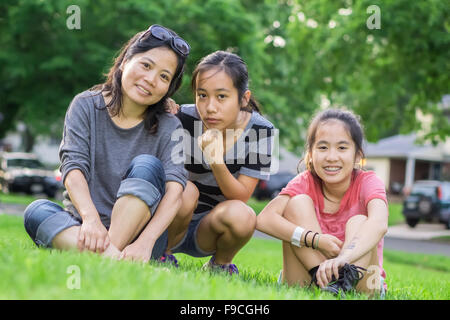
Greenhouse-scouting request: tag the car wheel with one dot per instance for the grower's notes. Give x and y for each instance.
(412, 222)
(447, 225)
(425, 206)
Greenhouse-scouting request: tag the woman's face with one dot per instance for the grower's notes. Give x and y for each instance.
(217, 99)
(146, 77)
(333, 153)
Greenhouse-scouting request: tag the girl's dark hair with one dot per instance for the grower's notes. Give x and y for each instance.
(113, 84)
(234, 67)
(350, 121)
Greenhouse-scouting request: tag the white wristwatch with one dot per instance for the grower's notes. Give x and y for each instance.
(296, 236)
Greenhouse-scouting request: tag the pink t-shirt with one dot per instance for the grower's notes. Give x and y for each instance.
(364, 186)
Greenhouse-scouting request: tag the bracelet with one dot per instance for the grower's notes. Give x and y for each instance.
(306, 244)
(312, 241)
(296, 236)
(317, 243)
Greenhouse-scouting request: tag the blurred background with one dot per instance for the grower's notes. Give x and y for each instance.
(388, 61)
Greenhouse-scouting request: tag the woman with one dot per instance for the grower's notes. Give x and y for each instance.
(123, 189)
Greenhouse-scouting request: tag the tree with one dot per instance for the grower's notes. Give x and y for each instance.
(302, 56)
(332, 58)
(45, 63)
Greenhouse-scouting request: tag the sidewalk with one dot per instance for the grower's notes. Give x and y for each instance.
(12, 209)
(423, 231)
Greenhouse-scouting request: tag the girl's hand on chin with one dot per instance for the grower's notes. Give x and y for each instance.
(211, 144)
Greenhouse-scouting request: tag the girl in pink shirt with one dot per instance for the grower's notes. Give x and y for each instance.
(332, 217)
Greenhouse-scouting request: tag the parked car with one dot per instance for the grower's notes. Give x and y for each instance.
(271, 188)
(23, 172)
(428, 200)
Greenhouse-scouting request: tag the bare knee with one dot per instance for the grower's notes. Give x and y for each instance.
(191, 192)
(130, 208)
(239, 218)
(355, 222)
(298, 208)
(189, 201)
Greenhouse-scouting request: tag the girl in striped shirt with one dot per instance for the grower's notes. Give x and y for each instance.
(228, 150)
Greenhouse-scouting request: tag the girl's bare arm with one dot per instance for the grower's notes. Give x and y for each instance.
(233, 189)
(272, 222)
(371, 232)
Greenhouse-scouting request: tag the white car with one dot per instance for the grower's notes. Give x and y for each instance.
(23, 172)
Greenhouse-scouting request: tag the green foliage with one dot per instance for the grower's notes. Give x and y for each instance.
(44, 63)
(302, 55)
(384, 75)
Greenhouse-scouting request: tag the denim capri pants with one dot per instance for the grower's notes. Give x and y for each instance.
(144, 179)
(189, 244)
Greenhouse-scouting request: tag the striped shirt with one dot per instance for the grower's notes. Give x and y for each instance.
(250, 155)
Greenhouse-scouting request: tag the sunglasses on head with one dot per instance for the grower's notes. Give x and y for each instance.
(176, 43)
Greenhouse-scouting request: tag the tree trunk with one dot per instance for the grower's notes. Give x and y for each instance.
(28, 139)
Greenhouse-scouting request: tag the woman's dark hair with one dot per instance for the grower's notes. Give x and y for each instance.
(351, 123)
(113, 84)
(234, 67)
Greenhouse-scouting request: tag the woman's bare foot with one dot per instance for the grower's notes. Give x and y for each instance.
(112, 252)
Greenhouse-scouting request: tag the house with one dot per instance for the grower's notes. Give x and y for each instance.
(399, 161)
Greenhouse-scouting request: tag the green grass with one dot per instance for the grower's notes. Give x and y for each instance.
(395, 214)
(19, 198)
(31, 273)
(16, 198)
(257, 205)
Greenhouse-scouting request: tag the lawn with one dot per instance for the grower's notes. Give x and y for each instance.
(16, 198)
(31, 273)
(19, 198)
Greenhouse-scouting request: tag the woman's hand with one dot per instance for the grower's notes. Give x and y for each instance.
(172, 106)
(327, 269)
(93, 236)
(329, 245)
(211, 144)
(137, 251)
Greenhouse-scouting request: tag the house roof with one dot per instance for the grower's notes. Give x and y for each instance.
(404, 146)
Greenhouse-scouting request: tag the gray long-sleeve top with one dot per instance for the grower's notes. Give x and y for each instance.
(102, 151)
